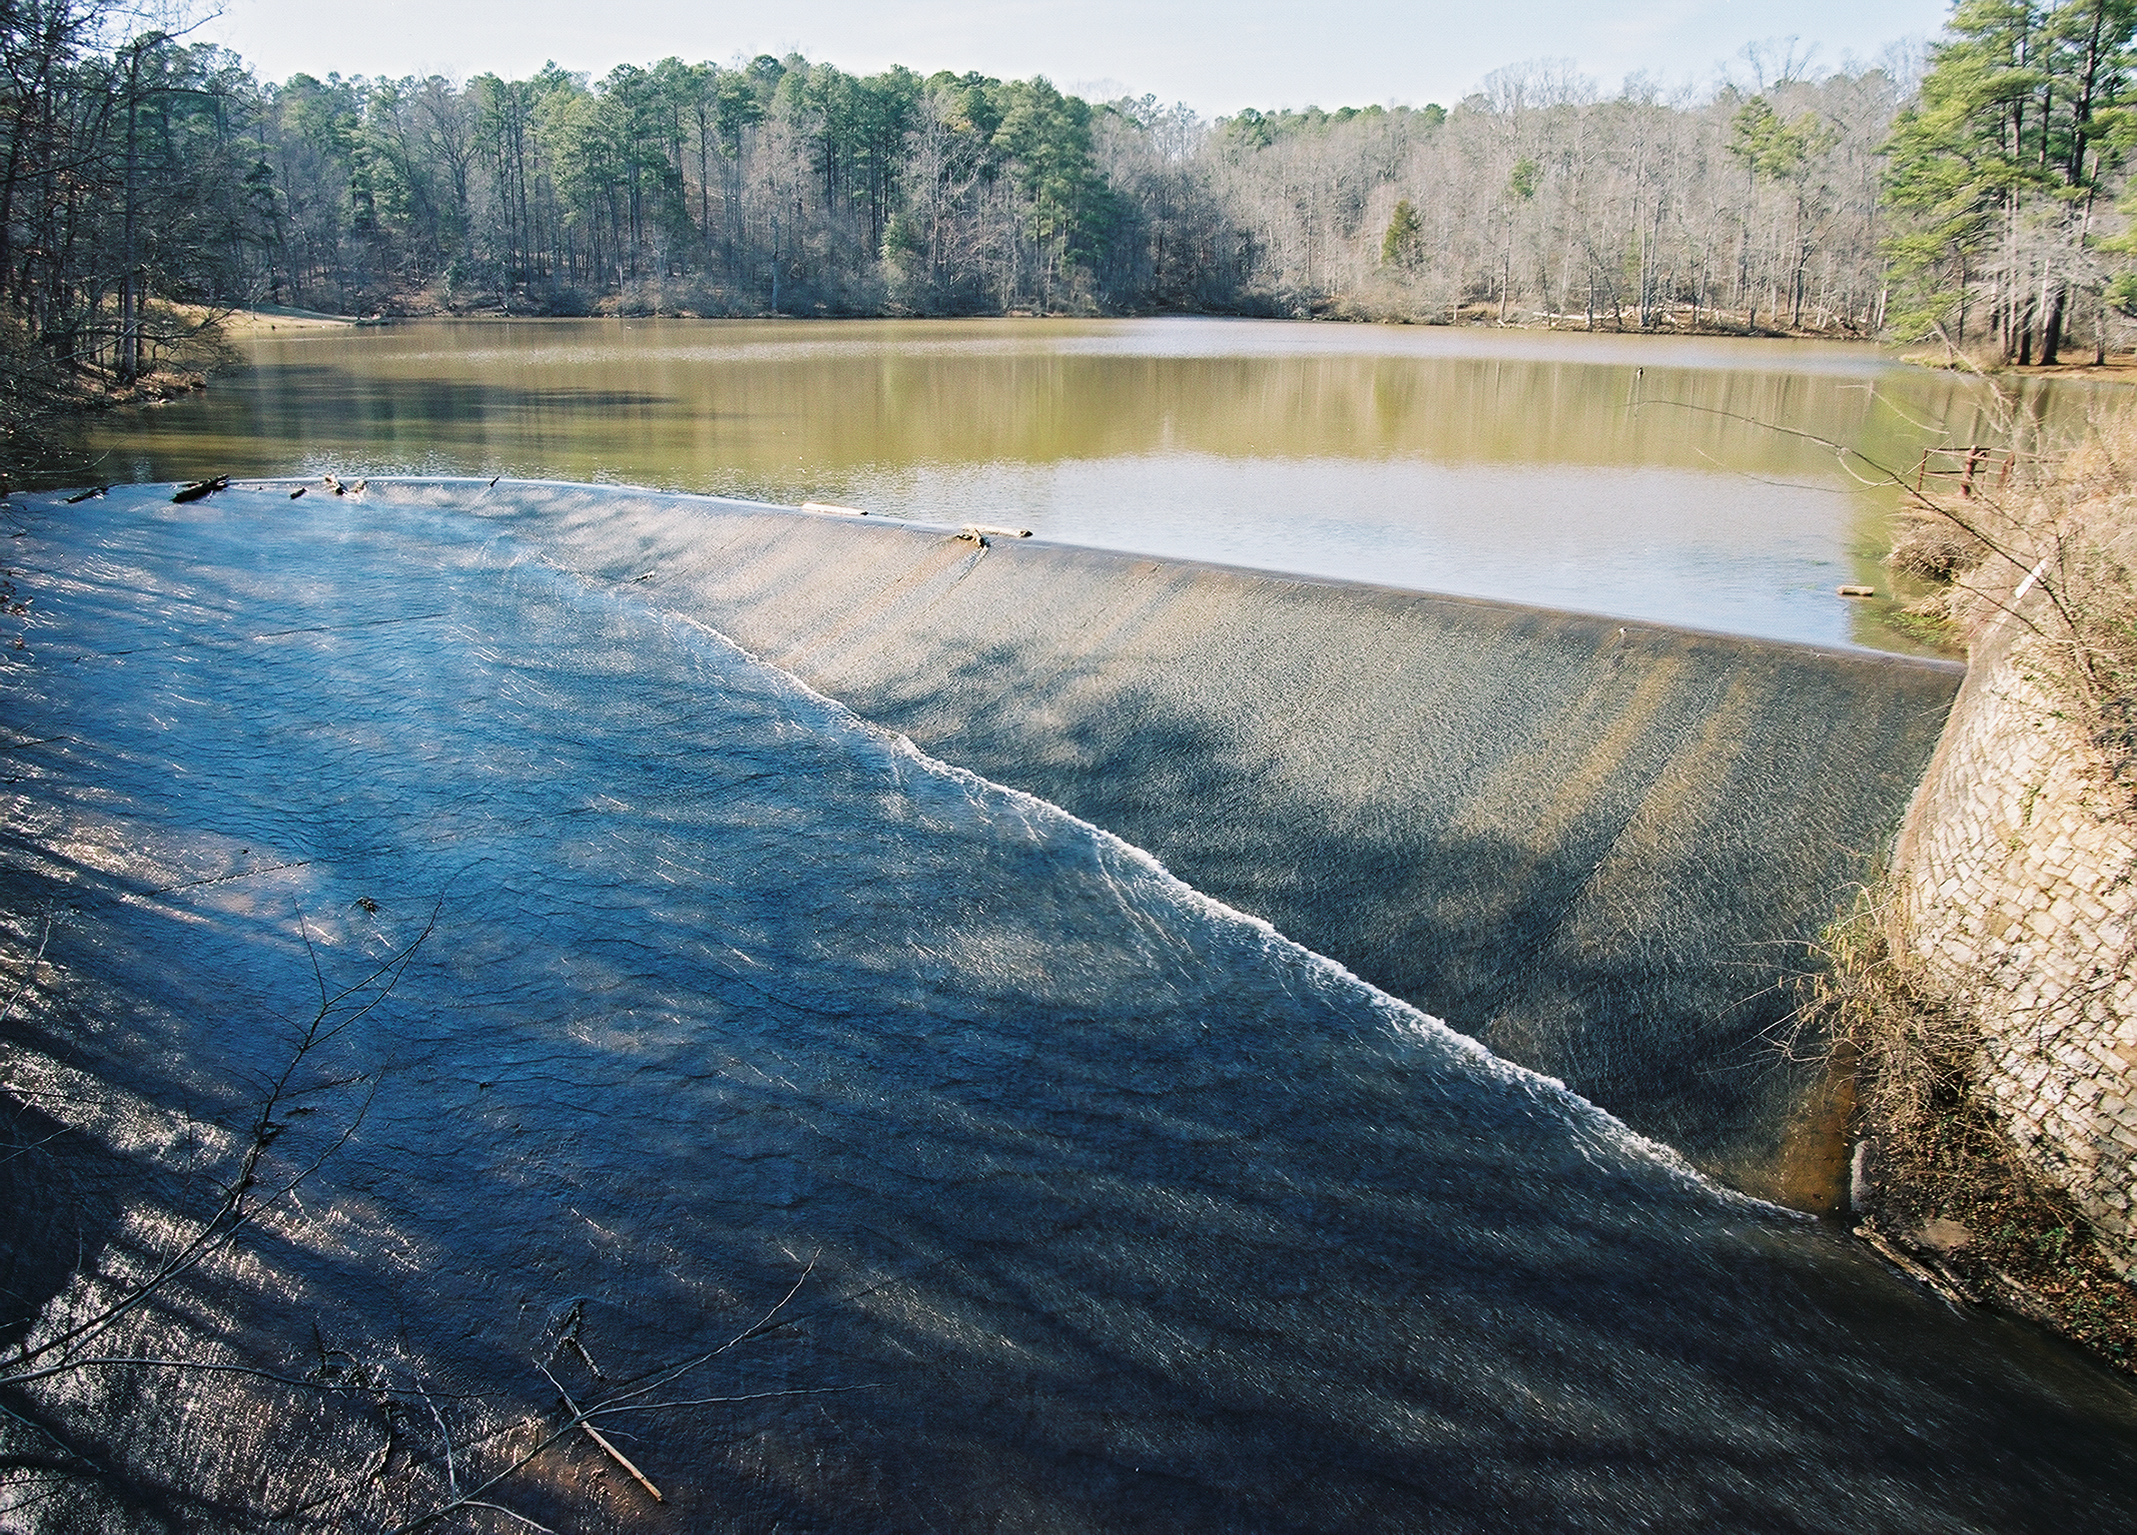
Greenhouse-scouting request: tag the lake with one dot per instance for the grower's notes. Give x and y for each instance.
(1667, 479)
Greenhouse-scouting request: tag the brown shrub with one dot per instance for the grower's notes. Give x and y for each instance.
(1934, 549)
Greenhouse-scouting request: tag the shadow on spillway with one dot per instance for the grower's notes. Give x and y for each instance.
(1659, 1012)
(1602, 848)
(1092, 1273)
(1116, 1212)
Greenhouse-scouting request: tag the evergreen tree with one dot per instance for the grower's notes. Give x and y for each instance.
(1997, 171)
(1399, 246)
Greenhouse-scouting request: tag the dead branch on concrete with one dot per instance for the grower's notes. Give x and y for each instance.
(641, 1396)
(242, 1202)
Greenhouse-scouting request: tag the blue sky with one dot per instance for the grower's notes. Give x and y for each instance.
(1216, 55)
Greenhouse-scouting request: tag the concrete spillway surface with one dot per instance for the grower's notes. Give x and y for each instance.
(1110, 1207)
(1600, 847)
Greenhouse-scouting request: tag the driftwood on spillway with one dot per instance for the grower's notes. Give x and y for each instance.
(198, 490)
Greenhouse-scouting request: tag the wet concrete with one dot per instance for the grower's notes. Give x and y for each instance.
(1110, 1209)
(1600, 847)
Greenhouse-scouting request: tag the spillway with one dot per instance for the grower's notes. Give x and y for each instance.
(648, 983)
(1600, 847)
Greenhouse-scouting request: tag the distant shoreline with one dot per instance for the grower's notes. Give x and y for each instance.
(2120, 367)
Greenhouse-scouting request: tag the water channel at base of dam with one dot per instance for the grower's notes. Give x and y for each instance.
(1112, 1207)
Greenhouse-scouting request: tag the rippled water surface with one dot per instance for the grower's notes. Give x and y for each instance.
(1658, 478)
(1112, 1209)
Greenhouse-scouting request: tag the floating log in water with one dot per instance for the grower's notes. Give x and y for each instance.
(293, 495)
(201, 489)
(1857, 591)
(87, 495)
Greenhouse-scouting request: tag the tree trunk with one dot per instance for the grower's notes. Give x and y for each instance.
(129, 349)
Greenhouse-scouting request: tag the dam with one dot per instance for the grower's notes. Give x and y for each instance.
(1026, 1000)
(1601, 847)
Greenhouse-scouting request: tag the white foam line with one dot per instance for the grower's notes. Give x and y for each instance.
(1402, 1018)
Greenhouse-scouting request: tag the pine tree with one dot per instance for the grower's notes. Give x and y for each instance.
(1997, 171)
(1405, 234)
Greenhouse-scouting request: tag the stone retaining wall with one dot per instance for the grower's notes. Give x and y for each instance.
(2018, 892)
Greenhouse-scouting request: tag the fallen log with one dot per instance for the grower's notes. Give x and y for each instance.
(199, 490)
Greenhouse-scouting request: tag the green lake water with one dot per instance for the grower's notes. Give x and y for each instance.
(1667, 479)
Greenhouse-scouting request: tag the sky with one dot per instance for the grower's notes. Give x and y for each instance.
(1215, 55)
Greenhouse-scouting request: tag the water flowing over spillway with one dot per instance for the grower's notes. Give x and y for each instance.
(1111, 1208)
(1602, 847)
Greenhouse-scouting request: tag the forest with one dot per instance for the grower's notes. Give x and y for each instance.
(1976, 195)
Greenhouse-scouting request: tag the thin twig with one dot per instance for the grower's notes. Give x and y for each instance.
(499, 1508)
(601, 1439)
(1889, 476)
(239, 1208)
(107, 1361)
(606, 1410)
(452, 1472)
(30, 976)
(542, 1444)
(626, 1401)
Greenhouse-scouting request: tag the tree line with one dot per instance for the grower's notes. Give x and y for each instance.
(1976, 195)
(787, 186)
(2008, 178)
(125, 160)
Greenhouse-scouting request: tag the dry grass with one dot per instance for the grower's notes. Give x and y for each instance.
(2045, 557)
(1939, 1182)
(2048, 555)
(1931, 548)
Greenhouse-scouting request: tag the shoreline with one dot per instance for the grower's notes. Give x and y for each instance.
(611, 307)
(2120, 367)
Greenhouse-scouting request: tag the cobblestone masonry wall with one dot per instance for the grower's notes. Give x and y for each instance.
(2018, 890)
